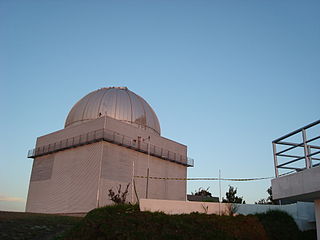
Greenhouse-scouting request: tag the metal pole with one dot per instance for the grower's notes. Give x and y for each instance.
(100, 169)
(310, 158)
(148, 170)
(219, 192)
(274, 147)
(99, 177)
(306, 154)
(132, 179)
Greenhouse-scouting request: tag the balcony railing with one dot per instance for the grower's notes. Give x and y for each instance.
(112, 137)
(297, 150)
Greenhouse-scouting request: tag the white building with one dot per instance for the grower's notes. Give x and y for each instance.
(110, 135)
(297, 168)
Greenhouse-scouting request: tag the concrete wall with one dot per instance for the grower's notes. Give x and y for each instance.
(300, 186)
(317, 213)
(303, 213)
(119, 164)
(71, 183)
(114, 125)
(70, 132)
(78, 179)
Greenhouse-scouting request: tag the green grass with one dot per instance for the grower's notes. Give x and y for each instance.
(17, 225)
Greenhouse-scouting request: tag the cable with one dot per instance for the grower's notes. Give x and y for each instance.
(207, 179)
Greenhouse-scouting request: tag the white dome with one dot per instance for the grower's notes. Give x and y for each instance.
(115, 102)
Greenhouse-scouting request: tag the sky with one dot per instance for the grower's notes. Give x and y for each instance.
(224, 77)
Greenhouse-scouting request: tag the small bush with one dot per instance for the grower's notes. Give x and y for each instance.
(118, 197)
(279, 225)
(308, 235)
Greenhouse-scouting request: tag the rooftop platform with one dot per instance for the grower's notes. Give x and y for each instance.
(296, 161)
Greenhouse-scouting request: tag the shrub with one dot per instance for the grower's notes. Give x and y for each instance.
(279, 225)
(123, 221)
(118, 197)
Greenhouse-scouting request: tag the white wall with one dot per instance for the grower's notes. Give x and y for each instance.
(72, 184)
(78, 179)
(302, 213)
(300, 186)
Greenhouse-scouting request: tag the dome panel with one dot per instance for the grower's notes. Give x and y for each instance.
(116, 102)
(108, 104)
(139, 116)
(78, 109)
(123, 106)
(92, 107)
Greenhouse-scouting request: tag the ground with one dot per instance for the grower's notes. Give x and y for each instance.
(20, 225)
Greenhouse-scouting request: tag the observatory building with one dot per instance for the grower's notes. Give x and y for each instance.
(110, 136)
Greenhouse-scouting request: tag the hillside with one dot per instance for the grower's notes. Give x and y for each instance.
(27, 226)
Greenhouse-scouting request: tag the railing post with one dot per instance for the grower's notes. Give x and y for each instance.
(310, 158)
(275, 159)
(306, 152)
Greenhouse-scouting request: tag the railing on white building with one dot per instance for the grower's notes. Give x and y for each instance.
(112, 137)
(297, 150)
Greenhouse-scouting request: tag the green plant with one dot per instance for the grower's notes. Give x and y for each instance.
(279, 225)
(269, 199)
(202, 192)
(123, 221)
(205, 208)
(118, 197)
(231, 196)
(232, 209)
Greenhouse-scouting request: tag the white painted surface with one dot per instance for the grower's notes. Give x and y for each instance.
(68, 181)
(303, 213)
(73, 184)
(300, 186)
(180, 207)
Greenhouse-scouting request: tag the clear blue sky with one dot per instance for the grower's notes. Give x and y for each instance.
(224, 77)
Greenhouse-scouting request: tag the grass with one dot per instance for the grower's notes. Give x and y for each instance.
(17, 225)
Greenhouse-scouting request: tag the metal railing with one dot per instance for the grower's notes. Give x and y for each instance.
(112, 137)
(301, 153)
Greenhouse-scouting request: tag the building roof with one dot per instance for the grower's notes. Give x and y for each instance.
(116, 102)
